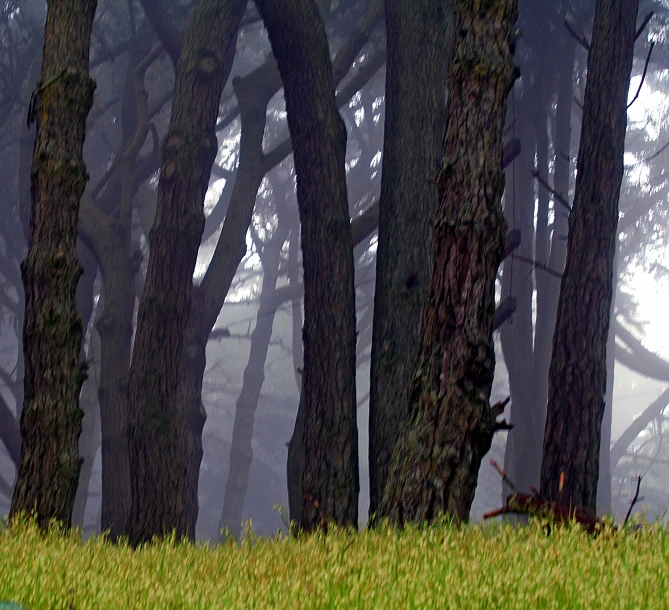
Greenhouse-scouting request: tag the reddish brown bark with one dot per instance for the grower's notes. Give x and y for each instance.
(435, 464)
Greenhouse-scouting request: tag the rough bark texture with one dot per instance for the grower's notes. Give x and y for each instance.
(330, 481)
(51, 418)
(155, 418)
(254, 92)
(577, 380)
(419, 49)
(435, 464)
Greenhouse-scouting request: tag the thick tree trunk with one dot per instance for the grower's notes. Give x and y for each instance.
(419, 49)
(577, 380)
(155, 417)
(52, 332)
(330, 482)
(435, 464)
(254, 92)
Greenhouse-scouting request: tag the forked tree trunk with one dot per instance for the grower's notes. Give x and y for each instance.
(49, 467)
(330, 482)
(436, 461)
(577, 380)
(155, 416)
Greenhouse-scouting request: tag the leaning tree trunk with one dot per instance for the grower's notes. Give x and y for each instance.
(155, 419)
(330, 480)
(51, 418)
(419, 43)
(577, 379)
(435, 464)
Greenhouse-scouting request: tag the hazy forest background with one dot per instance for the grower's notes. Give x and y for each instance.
(247, 300)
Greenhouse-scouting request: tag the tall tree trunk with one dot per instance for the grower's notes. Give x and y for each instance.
(436, 461)
(330, 481)
(241, 451)
(114, 325)
(419, 49)
(254, 92)
(604, 481)
(577, 380)
(155, 417)
(52, 332)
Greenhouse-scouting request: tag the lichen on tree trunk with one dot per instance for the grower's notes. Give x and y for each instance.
(435, 464)
(51, 418)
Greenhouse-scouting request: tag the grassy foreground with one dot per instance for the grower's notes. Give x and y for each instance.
(436, 567)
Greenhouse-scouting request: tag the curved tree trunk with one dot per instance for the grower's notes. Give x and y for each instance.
(155, 417)
(330, 482)
(52, 333)
(419, 43)
(577, 380)
(435, 464)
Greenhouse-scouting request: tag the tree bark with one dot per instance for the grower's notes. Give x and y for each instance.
(155, 418)
(254, 92)
(577, 379)
(52, 332)
(419, 49)
(435, 464)
(330, 481)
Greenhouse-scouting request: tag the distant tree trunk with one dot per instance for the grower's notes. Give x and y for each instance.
(241, 451)
(330, 481)
(436, 461)
(51, 418)
(155, 417)
(419, 49)
(577, 380)
(522, 460)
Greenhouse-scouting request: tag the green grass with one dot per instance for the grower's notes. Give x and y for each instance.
(436, 567)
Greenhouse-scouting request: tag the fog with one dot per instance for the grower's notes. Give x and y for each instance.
(640, 375)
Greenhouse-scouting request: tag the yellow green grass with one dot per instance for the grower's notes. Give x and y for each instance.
(437, 567)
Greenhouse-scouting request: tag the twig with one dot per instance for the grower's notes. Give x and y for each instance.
(579, 38)
(643, 75)
(634, 500)
(643, 25)
(504, 476)
(557, 196)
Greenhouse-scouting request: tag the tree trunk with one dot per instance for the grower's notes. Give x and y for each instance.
(577, 380)
(523, 462)
(435, 464)
(52, 332)
(241, 451)
(419, 49)
(330, 481)
(155, 418)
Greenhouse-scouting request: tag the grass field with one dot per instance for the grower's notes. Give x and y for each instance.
(437, 567)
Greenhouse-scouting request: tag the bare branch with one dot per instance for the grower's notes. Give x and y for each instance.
(580, 38)
(643, 75)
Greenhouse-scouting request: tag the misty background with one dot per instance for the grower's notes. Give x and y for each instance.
(641, 373)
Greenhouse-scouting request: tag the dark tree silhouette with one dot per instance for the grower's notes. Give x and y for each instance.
(330, 480)
(577, 378)
(155, 418)
(419, 47)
